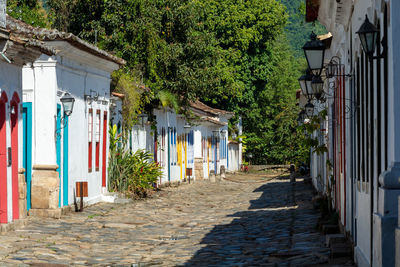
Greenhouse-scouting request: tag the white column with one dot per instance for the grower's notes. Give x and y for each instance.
(45, 110)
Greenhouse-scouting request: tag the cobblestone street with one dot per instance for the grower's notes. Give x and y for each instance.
(248, 220)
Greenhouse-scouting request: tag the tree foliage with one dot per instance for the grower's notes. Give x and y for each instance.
(298, 31)
(230, 54)
(29, 11)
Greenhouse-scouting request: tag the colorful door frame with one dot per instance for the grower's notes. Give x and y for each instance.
(27, 149)
(3, 159)
(62, 162)
(65, 161)
(58, 150)
(104, 159)
(14, 104)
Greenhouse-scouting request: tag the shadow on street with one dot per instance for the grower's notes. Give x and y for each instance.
(272, 225)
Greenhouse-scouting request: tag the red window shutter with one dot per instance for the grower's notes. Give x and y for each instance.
(104, 168)
(90, 139)
(97, 140)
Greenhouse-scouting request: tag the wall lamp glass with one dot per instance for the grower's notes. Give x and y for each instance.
(368, 35)
(143, 118)
(67, 102)
(314, 50)
(309, 109)
(305, 85)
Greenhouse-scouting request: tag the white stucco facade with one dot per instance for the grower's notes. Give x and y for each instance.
(364, 125)
(71, 142)
(201, 147)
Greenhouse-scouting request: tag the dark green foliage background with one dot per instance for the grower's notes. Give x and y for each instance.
(233, 55)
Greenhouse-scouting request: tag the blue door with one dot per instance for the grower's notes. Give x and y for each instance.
(27, 149)
(65, 161)
(58, 148)
(62, 124)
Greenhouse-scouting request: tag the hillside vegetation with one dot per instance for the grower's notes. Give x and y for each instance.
(298, 31)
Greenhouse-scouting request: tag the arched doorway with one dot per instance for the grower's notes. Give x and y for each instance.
(14, 104)
(3, 159)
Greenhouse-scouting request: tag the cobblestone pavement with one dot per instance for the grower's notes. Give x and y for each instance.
(247, 220)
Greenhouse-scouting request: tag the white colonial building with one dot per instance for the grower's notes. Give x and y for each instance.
(363, 125)
(185, 148)
(62, 147)
(15, 53)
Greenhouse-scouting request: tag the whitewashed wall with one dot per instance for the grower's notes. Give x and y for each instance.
(42, 82)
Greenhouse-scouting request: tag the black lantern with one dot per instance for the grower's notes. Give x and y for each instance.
(317, 87)
(67, 102)
(223, 133)
(330, 69)
(143, 118)
(305, 85)
(187, 127)
(301, 117)
(314, 50)
(309, 109)
(368, 34)
(215, 133)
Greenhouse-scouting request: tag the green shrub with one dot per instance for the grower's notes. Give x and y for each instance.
(130, 173)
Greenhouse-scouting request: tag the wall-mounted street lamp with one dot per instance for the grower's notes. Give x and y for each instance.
(223, 133)
(187, 127)
(305, 85)
(314, 50)
(143, 118)
(215, 133)
(309, 109)
(67, 102)
(368, 34)
(301, 118)
(317, 85)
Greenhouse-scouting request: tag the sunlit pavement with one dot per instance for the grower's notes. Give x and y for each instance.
(245, 220)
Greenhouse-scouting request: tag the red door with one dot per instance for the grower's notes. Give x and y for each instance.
(14, 154)
(104, 160)
(3, 160)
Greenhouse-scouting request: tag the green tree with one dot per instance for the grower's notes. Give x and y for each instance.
(29, 11)
(230, 54)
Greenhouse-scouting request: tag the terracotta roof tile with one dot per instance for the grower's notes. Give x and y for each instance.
(214, 111)
(28, 33)
(117, 94)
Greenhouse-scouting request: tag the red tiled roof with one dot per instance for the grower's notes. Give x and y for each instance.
(28, 33)
(214, 111)
(117, 94)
